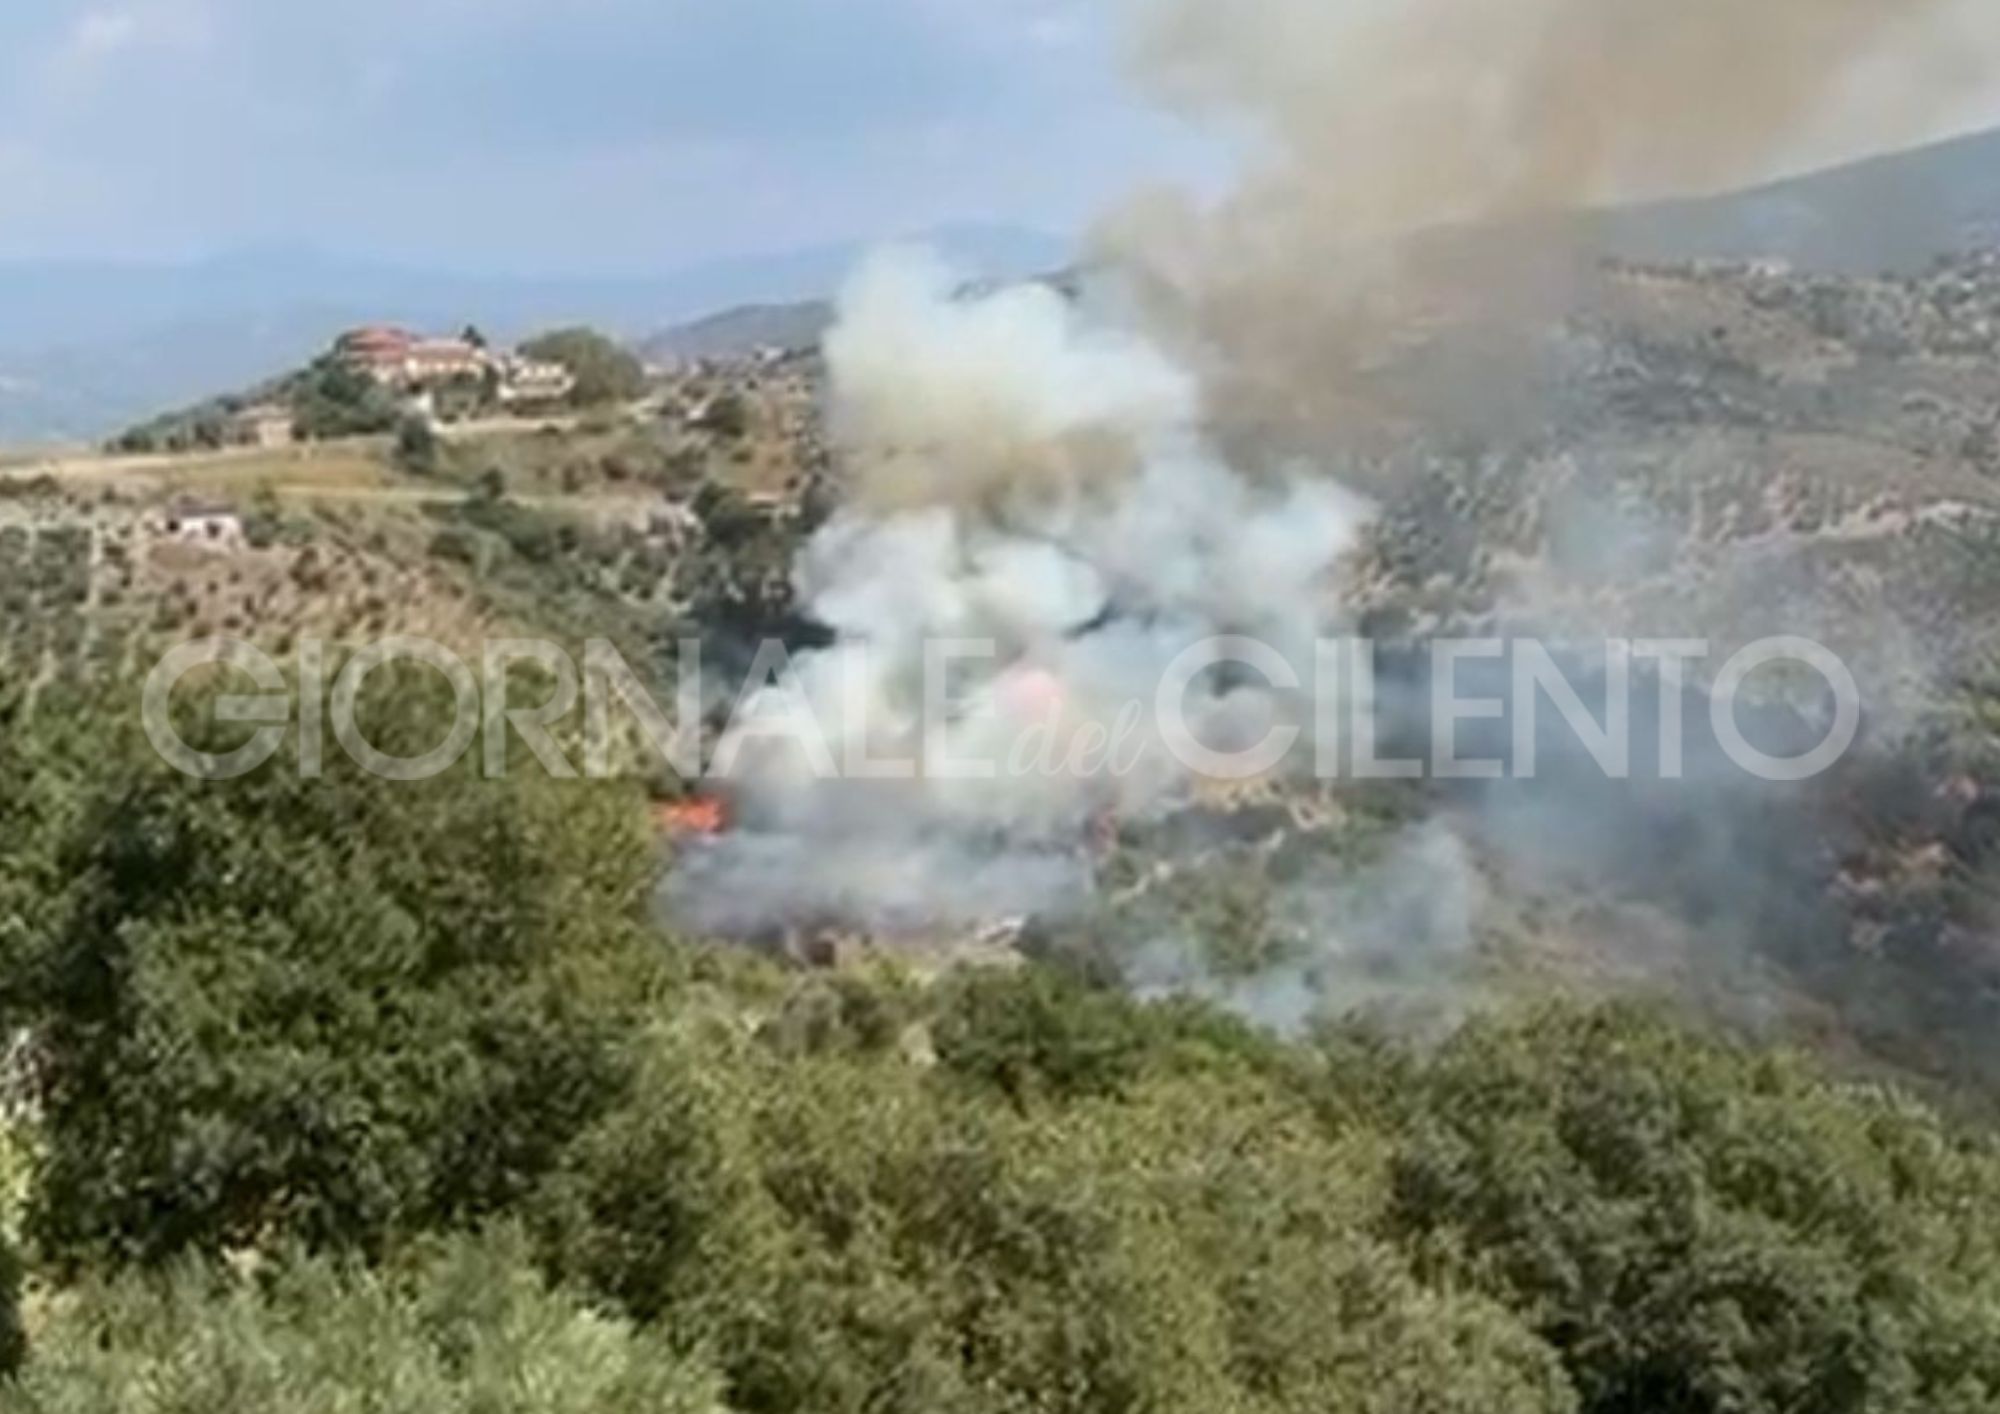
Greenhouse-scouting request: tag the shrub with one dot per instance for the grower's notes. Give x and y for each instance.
(729, 415)
(604, 372)
(846, 1232)
(456, 544)
(1700, 1228)
(417, 446)
(471, 1330)
(331, 399)
(1038, 1032)
(339, 1009)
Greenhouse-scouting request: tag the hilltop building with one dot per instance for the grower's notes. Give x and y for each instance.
(401, 359)
(397, 358)
(444, 360)
(410, 363)
(381, 352)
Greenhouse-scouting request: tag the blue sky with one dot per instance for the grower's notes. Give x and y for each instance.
(565, 136)
(554, 135)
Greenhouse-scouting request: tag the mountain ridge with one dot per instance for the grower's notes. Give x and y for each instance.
(1891, 212)
(87, 346)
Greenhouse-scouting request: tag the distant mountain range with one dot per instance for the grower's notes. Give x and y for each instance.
(1893, 213)
(85, 348)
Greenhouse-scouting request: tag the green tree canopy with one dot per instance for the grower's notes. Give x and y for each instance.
(845, 1230)
(341, 1008)
(604, 371)
(1697, 1227)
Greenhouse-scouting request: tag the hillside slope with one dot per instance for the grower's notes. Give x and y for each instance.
(735, 333)
(1893, 212)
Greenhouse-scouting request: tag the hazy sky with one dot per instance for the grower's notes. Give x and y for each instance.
(554, 135)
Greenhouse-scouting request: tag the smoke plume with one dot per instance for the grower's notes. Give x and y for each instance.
(1397, 939)
(1416, 162)
(1087, 488)
(1025, 475)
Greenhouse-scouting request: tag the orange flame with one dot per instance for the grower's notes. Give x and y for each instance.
(697, 815)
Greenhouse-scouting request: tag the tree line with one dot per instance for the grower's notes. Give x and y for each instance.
(333, 1093)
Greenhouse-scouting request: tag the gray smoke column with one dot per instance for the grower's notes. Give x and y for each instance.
(1382, 278)
(1024, 473)
(1367, 123)
(1090, 493)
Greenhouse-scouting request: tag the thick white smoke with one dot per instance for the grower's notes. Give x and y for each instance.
(1034, 531)
(1024, 471)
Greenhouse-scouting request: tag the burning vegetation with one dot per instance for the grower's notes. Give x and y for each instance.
(1388, 1096)
(700, 817)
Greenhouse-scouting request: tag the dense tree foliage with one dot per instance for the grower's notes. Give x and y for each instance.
(291, 1015)
(333, 399)
(337, 1009)
(848, 1231)
(1697, 1228)
(604, 371)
